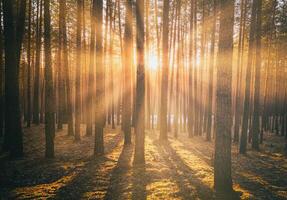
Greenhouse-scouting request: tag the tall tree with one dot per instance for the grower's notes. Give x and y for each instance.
(36, 96)
(165, 61)
(178, 69)
(240, 52)
(211, 69)
(29, 114)
(100, 82)
(66, 66)
(147, 73)
(78, 72)
(49, 93)
(60, 71)
(222, 161)
(191, 70)
(89, 129)
(255, 135)
(140, 86)
(246, 109)
(128, 50)
(13, 34)
(2, 96)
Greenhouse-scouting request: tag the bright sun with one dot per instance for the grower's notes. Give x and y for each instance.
(153, 62)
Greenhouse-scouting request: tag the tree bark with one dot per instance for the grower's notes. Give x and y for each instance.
(243, 139)
(100, 82)
(36, 97)
(140, 86)
(78, 72)
(211, 70)
(165, 66)
(222, 158)
(13, 35)
(49, 93)
(256, 114)
(89, 129)
(128, 51)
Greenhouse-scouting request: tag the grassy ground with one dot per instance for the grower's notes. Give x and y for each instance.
(179, 169)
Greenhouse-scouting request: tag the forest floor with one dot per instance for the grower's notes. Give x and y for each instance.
(178, 169)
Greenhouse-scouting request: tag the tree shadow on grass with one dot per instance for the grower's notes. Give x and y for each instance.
(139, 182)
(257, 178)
(190, 186)
(120, 182)
(91, 180)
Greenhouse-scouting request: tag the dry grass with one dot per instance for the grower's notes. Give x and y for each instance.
(179, 169)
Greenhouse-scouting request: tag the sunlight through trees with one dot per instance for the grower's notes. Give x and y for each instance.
(150, 77)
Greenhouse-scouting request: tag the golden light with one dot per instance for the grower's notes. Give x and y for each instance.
(153, 62)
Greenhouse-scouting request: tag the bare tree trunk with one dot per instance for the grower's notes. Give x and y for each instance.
(61, 82)
(140, 86)
(36, 97)
(100, 82)
(147, 82)
(178, 67)
(256, 114)
(66, 67)
(111, 63)
(196, 103)
(243, 139)
(29, 114)
(90, 88)
(165, 66)
(128, 50)
(120, 97)
(2, 75)
(78, 73)
(240, 55)
(222, 158)
(191, 72)
(13, 34)
(49, 93)
(211, 69)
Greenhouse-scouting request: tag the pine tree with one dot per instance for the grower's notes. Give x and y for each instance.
(223, 118)
(165, 64)
(140, 86)
(49, 93)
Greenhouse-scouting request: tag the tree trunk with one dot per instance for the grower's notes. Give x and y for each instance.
(191, 70)
(29, 114)
(140, 86)
(165, 66)
(256, 114)
(90, 88)
(78, 73)
(240, 55)
(128, 50)
(2, 74)
(66, 66)
(211, 69)
(243, 139)
(13, 34)
(222, 158)
(36, 97)
(49, 93)
(100, 82)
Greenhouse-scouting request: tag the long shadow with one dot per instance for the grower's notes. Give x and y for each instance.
(139, 182)
(205, 156)
(92, 179)
(253, 186)
(121, 175)
(190, 186)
